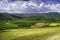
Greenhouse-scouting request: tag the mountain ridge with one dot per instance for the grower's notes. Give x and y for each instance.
(16, 16)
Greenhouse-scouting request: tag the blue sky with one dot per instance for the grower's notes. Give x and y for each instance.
(29, 6)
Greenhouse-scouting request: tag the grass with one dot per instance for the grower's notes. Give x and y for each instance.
(29, 34)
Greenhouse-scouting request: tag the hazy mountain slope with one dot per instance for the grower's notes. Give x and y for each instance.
(50, 14)
(6, 17)
(15, 16)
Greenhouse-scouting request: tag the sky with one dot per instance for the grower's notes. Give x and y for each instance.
(29, 6)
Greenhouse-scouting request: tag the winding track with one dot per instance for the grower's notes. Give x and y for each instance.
(55, 37)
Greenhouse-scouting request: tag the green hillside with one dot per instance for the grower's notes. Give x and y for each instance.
(13, 27)
(8, 17)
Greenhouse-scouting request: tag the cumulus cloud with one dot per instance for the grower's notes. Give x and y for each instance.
(27, 7)
(53, 7)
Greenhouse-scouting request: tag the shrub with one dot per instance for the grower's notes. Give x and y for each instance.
(7, 25)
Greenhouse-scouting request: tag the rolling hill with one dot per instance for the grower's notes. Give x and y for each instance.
(49, 15)
(16, 16)
(7, 17)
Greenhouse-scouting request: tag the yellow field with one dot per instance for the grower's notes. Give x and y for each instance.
(30, 34)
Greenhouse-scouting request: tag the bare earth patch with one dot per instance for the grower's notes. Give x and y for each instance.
(55, 37)
(37, 25)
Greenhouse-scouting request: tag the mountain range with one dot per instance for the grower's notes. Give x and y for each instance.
(16, 16)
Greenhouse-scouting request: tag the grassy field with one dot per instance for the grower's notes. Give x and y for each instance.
(31, 34)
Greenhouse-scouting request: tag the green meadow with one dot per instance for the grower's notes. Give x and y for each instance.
(33, 28)
(31, 34)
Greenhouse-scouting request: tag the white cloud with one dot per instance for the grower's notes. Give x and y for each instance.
(41, 4)
(53, 7)
(21, 7)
